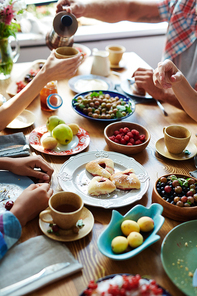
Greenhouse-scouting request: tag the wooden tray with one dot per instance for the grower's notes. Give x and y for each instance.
(12, 88)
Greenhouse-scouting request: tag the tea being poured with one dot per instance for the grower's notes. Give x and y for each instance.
(64, 27)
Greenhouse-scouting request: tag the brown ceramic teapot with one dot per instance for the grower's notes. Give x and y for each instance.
(64, 27)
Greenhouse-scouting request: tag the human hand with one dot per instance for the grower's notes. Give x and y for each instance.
(144, 79)
(59, 69)
(166, 74)
(71, 6)
(31, 202)
(26, 166)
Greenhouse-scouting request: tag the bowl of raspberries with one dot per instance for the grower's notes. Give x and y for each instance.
(126, 137)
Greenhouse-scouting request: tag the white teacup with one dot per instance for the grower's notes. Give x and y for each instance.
(176, 138)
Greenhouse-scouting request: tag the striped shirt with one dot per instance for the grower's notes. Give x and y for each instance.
(181, 16)
(10, 232)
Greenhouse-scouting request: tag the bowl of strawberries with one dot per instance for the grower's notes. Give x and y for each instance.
(126, 137)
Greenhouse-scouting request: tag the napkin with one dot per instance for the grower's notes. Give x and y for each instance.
(14, 145)
(30, 257)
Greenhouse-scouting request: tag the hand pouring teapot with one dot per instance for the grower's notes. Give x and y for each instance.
(64, 27)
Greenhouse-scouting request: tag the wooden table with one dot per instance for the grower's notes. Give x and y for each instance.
(95, 265)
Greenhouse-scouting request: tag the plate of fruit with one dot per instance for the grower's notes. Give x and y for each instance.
(83, 49)
(124, 284)
(22, 80)
(59, 138)
(103, 105)
(128, 235)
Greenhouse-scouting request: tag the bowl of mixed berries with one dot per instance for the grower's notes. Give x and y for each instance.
(126, 137)
(177, 193)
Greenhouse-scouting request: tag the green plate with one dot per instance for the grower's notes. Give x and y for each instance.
(179, 256)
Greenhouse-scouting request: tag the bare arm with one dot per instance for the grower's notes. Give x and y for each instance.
(25, 166)
(144, 79)
(113, 10)
(54, 69)
(168, 76)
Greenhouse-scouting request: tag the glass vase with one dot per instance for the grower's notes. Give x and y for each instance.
(8, 57)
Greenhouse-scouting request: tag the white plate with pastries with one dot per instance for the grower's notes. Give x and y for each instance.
(73, 176)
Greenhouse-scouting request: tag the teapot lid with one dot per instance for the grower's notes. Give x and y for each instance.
(65, 24)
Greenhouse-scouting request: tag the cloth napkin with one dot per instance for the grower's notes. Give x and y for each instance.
(30, 257)
(8, 145)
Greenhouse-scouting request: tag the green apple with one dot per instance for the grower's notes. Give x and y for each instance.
(63, 134)
(52, 122)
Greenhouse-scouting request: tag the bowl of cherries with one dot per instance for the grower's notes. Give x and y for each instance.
(178, 195)
(126, 137)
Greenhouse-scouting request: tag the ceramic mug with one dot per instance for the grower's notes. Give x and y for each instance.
(65, 52)
(100, 64)
(64, 210)
(176, 138)
(115, 53)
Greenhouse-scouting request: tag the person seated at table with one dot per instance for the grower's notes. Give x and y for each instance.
(166, 76)
(30, 202)
(180, 47)
(53, 69)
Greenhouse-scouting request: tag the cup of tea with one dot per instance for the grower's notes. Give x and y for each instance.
(64, 210)
(65, 52)
(176, 138)
(115, 53)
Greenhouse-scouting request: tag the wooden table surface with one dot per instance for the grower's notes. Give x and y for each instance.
(85, 250)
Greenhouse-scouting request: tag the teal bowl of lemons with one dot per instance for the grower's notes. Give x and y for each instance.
(128, 235)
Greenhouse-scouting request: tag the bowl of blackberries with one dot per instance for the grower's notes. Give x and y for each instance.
(177, 193)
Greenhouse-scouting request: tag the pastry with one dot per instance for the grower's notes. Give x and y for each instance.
(101, 167)
(126, 180)
(99, 185)
(138, 91)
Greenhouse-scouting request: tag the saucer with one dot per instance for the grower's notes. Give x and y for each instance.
(25, 119)
(119, 66)
(161, 149)
(68, 235)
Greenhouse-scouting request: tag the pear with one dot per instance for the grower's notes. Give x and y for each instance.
(63, 134)
(53, 121)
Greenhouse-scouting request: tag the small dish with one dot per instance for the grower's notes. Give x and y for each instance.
(172, 211)
(25, 119)
(114, 229)
(111, 276)
(82, 48)
(178, 253)
(127, 100)
(161, 149)
(126, 149)
(121, 64)
(68, 235)
(78, 143)
(11, 186)
(127, 88)
(82, 83)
